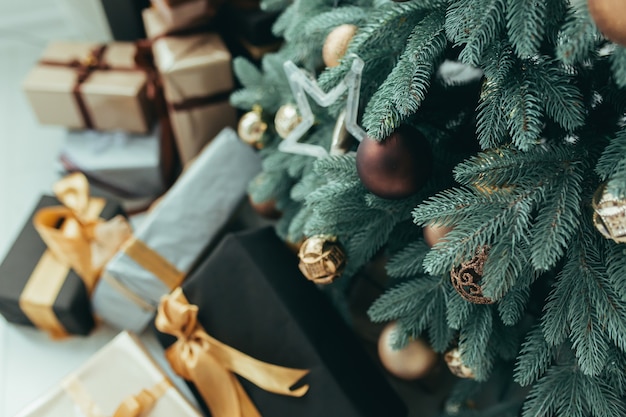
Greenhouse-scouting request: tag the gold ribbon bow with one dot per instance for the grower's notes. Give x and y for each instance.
(211, 365)
(84, 241)
(132, 406)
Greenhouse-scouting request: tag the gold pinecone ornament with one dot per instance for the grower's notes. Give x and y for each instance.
(322, 259)
(455, 363)
(609, 215)
(466, 278)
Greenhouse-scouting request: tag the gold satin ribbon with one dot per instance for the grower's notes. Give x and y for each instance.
(83, 242)
(211, 365)
(152, 261)
(132, 406)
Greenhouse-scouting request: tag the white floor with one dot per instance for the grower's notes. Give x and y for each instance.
(30, 363)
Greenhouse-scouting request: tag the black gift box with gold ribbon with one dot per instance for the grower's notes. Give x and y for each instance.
(36, 289)
(250, 296)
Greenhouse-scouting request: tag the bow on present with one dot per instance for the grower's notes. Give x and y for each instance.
(83, 241)
(133, 406)
(211, 365)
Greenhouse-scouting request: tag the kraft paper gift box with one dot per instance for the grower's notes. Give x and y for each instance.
(42, 289)
(250, 296)
(187, 219)
(179, 14)
(89, 85)
(197, 80)
(127, 164)
(121, 379)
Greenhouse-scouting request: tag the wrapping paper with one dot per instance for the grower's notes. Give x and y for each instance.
(178, 14)
(114, 98)
(127, 164)
(252, 297)
(187, 219)
(22, 266)
(120, 369)
(197, 81)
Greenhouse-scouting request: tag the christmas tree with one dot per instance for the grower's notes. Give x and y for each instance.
(492, 179)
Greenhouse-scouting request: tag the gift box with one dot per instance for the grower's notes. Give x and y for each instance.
(197, 80)
(185, 221)
(124, 18)
(49, 273)
(179, 14)
(250, 296)
(121, 379)
(87, 85)
(129, 165)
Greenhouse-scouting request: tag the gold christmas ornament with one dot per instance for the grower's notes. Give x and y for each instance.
(610, 17)
(609, 215)
(455, 364)
(466, 278)
(433, 233)
(413, 361)
(251, 127)
(336, 44)
(322, 259)
(286, 119)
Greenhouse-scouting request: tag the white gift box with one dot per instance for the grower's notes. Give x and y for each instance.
(175, 233)
(127, 164)
(117, 372)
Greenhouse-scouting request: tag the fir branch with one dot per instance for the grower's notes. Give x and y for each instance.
(562, 100)
(534, 358)
(488, 25)
(618, 66)
(408, 262)
(407, 299)
(409, 81)
(512, 305)
(461, 17)
(558, 219)
(524, 111)
(579, 35)
(440, 334)
(246, 72)
(506, 263)
(612, 164)
(459, 311)
(559, 393)
(526, 25)
(491, 124)
(475, 335)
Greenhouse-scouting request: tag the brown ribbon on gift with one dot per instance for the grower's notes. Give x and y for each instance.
(77, 239)
(84, 68)
(132, 406)
(144, 61)
(211, 365)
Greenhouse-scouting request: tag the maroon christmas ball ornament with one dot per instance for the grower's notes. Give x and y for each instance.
(397, 166)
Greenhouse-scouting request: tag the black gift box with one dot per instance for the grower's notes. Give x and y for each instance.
(124, 17)
(72, 306)
(252, 297)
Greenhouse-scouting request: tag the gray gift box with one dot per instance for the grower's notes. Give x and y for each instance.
(187, 219)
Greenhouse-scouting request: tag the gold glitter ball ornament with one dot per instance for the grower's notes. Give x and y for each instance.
(336, 44)
(251, 128)
(466, 278)
(322, 259)
(286, 119)
(455, 364)
(609, 215)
